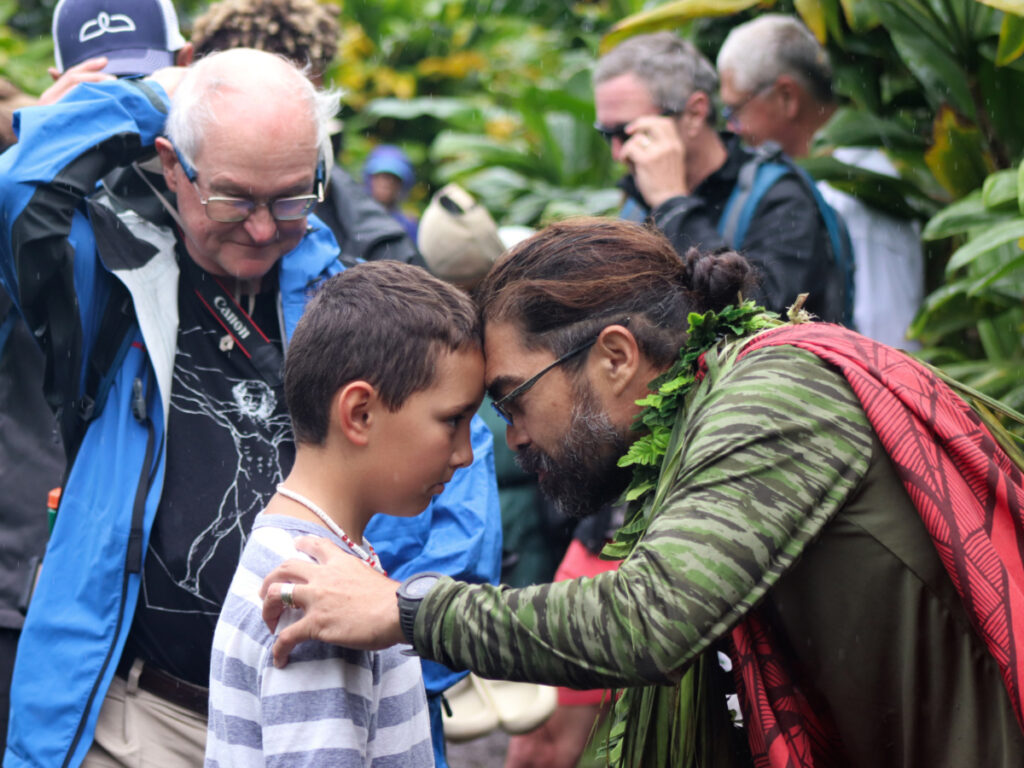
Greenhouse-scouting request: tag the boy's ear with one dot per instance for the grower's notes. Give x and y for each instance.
(352, 411)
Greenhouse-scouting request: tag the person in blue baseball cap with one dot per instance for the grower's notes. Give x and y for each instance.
(95, 40)
(388, 176)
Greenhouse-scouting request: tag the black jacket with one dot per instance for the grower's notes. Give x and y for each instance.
(31, 462)
(787, 240)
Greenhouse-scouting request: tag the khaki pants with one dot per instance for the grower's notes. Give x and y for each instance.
(139, 730)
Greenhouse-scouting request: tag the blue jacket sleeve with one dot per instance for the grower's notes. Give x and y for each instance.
(47, 251)
(63, 149)
(459, 534)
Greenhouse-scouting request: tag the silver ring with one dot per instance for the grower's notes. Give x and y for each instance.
(645, 140)
(286, 595)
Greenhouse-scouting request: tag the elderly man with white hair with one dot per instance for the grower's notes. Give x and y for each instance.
(776, 82)
(207, 276)
(164, 302)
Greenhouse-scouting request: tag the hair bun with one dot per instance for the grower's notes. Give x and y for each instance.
(717, 279)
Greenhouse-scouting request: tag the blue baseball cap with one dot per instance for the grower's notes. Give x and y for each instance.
(387, 158)
(138, 37)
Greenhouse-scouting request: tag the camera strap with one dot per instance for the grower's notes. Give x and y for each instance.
(238, 325)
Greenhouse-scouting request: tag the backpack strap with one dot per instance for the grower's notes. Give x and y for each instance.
(759, 174)
(839, 241)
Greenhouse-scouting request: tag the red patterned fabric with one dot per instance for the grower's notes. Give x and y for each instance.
(970, 497)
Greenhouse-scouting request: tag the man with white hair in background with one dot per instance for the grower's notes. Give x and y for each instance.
(191, 291)
(776, 83)
(653, 100)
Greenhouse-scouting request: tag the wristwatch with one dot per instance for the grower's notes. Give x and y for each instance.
(410, 594)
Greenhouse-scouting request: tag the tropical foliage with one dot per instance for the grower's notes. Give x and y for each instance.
(492, 94)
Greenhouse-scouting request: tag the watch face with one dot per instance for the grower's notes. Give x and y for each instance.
(418, 587)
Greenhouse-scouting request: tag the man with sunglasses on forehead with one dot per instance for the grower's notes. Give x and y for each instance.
(653, 97)
(205, 268)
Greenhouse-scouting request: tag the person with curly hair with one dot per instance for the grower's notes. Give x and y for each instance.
(304, 31)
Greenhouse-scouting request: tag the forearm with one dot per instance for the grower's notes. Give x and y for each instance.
(530, 634)
(768, 462)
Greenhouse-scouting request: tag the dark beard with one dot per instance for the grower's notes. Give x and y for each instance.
(585, 474)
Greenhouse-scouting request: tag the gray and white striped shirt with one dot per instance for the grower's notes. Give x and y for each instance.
(330, 706)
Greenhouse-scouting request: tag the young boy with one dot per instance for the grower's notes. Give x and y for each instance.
(383, 374)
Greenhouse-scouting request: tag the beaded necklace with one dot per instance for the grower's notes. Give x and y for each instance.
(370, 558)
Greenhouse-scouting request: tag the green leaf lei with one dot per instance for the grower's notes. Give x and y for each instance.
(671, 725)
(661, 409)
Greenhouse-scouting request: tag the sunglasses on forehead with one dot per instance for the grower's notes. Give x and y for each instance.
(611, 132)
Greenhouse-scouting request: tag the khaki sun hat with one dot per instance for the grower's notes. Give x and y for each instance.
(457, 236)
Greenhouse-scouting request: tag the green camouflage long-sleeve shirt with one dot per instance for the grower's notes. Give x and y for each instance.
(773, 449)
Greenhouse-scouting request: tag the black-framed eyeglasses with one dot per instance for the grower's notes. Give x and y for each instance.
(611, 132)
(501, 406)
(231, 210)
(731, 115)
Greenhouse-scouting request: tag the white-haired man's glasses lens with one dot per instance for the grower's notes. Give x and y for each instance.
(231, 210)
(731, 114)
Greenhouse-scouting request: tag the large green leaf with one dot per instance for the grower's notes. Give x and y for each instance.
(999, 235)
(813, 14)
(949, 310)
(877, 190)
(928, 46)
(674, 14)
(959, 217)
(1001, 92)
(1011, 40)
(999, 192)
(999, 339)
(957, 157)
(1010, 268)
(474, 152)
(1009, 6)
(833, 13)
(1020, 187)
(851, 127)
(860, 15)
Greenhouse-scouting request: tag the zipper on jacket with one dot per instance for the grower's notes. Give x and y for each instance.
(133, 554)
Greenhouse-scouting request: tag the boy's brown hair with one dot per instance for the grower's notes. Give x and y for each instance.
(383, 322)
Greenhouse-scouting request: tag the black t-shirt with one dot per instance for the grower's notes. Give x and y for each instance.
(229, 442)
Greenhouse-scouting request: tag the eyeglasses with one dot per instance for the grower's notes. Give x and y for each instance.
(231, 210)
(731, 115)
(501, 406)
(611, 132)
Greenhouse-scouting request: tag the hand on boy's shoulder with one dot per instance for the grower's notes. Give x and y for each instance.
(332, 586)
